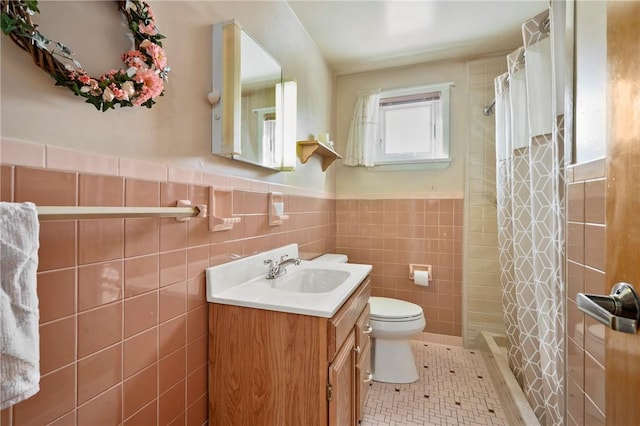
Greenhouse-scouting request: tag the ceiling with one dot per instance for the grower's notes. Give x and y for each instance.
(357, 36)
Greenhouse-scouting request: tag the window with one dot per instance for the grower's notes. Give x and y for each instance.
(414, 125)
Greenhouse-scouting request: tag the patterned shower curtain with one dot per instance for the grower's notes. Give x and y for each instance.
(530, 195)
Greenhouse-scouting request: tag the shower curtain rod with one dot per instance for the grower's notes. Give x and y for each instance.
(488, 110)
(81, 212)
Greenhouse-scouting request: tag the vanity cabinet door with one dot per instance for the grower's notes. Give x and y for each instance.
(363, 361)
(342, 386)
(363, 378)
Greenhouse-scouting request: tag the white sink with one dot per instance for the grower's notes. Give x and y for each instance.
(310, 288)
(309, 280)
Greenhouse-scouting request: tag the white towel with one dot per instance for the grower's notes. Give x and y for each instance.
(19, 334)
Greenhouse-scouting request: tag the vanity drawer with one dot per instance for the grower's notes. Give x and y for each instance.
(343, 322)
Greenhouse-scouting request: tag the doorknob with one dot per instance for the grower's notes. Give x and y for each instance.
(620, 310)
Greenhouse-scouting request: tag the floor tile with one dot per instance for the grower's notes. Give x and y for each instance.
(454, 388)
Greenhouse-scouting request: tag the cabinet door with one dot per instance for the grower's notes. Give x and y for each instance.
(363, 378)
(363, 329)
(342, 386)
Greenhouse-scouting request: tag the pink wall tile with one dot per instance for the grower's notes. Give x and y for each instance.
(99, 328)
(99, 372)
(594, 377)
(172, 301)
(181, 175)
(148, 415)
(57, 344)
(173, 267)
(140, 389)
(56, 294)
(172, 335)
(575, 402)
(141, 236)
(6, 183)
(594, 250)
(67, 159)
(196, 384)
(172, 369)
(111, 297)
(390, 234)
(142, 170)
(56, 397)
(45, 187)
(141, 275)
(96, 190)
(57, 245)
(100, 240)
(140, 352)
(172, 404)
(100, 284)
(197, 413)
(105, 409)
(585, 359)
(140, 313)
(20, 153)
(575, 202)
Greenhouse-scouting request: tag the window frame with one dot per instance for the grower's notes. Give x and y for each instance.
(399, 160)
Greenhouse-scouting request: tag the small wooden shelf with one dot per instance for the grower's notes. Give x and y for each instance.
(307, 148)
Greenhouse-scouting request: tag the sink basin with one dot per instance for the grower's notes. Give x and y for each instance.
(310, 281)
(310, 288)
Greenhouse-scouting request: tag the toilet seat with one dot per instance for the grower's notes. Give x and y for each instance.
(393, 310)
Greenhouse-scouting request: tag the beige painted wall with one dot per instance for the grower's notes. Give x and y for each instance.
(177, 130)
(357, 180)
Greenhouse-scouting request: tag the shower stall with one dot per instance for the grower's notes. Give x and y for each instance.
(526, 194)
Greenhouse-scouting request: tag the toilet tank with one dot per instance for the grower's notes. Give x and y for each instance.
(332, 258)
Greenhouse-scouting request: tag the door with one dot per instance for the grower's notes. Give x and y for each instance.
(622, 362)
(342, 385)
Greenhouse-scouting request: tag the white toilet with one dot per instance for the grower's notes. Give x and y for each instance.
(393, 322)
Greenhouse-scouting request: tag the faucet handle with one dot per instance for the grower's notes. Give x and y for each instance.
(268, 262)
(283, 257)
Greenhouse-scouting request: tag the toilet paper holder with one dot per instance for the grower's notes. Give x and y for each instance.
(418, 267)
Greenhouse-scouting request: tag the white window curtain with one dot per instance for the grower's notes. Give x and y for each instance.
(363, 133)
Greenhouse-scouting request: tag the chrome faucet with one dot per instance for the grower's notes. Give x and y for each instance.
(278, 268)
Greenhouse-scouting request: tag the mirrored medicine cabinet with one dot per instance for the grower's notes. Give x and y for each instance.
(254, 120)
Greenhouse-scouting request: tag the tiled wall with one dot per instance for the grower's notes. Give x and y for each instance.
(392, 233)
(123, 313)
(482, 270)
(585, 273)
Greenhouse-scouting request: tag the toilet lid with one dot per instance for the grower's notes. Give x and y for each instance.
(384, 307)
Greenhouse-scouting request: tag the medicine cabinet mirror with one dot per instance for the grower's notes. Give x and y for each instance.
(255, 118)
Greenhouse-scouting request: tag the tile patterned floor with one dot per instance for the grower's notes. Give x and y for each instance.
(454, 389)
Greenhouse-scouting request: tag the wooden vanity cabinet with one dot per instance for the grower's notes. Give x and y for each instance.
(363, 361)
(276, 368)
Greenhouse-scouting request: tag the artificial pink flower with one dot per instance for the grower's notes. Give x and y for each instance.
(152, 86)
(119, 94)
(134, 58)
(149, 11)
(147, 29)
(84, 79)
(157, 54)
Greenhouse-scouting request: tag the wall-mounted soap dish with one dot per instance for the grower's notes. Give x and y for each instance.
(221, 204)
(276, 209)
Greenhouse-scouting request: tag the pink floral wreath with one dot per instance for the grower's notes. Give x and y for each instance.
(137, 85)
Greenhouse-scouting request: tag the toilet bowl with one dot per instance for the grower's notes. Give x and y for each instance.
(393, 322)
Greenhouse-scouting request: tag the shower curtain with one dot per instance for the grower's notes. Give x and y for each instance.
(530, 195)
